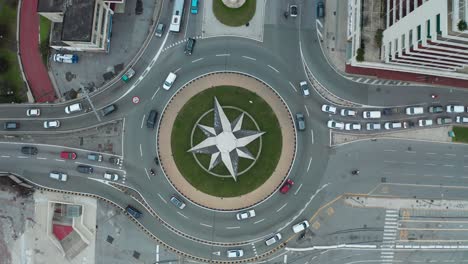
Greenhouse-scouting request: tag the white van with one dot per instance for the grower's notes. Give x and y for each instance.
(300, 227)
(371, 114)
(59, 176)
(73, 108)
(169, 81)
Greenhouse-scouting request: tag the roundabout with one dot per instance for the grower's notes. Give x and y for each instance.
(265, 161)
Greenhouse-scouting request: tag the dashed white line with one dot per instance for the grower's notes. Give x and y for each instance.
(152, 97)
(450, 154)
(308, 166)
(141, 151)
(411, 151)
(197, 60)
(259, 221)
(223, 55)
(429, 164)
(232, 227)
(41, 158)
(389, 161)
(147, 174)
(273, 68)
(307, 110)
(449, 176)
(430, 153)
(409, 162)
(205, 225)
(285, 260)
(5, 156)
(162, 198)
(249, 58)
(22, 157)
(182, 215)
(449, 165)
(177, 70)
(60, 160)
(281, 207)
(292, 85)
(312, 135)
(389, 150)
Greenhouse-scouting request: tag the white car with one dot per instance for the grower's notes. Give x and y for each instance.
(347, 112)
(393, 125)
(414, 110)
(373, 126)
(461, 119)
(33, 112)
(300, 227)
(170, 79)
(455, 109)
(305, 88)
(235, 253)
(274, 239)
(73, 108)
(352, 126)
(329, 109)
(425, 122)
(51, 124)
(245, 215)
(371, 114)
(335, 125)
(110, 176)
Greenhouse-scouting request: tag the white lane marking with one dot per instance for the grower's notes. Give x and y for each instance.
(300, 186)
(409, 162)
(389, 161)
(142, 121)
(448, 165)
(292, 85)
(182, 215)
(430, 153)
(141, 151)
(162, 198)
(411, 151)
(285, 260)
(41, 158)
(449, 176)
(259, 221)
(152, 97)
(429, 164)
(308, 166)
(320, 24)
(450, 154)
(147, 174)
(281, 208)
(205, 225)
(319, 33)
(273, 68)
(157, 253)
(5, 156)
(177, 70)
(98, 166)
(312, 135)
(232, 227)
(197, 60)
(249, 58)
(389, 150)
(60, 160)
(22, 157)
(223, 55)
(307, 110)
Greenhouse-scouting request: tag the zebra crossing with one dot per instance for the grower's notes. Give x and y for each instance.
(180, 42)
(389, 235)
(377, 81)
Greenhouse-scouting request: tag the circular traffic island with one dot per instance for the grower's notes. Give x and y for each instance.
(237, 15)
(226, 141)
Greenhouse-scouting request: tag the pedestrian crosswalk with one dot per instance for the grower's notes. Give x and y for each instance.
(377, 81)
(389, 235)
(180, 42)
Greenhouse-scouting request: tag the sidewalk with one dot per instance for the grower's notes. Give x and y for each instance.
(34, 70)
(232, 203)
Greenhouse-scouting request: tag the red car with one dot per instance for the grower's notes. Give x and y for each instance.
(286, 186)
(68, 155)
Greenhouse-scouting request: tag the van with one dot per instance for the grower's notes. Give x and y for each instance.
(299, 227)
(95, 157)
(371, 114)
(133, 211)
(151, 121)
(59, 176)
(169, 81)
(73, 108)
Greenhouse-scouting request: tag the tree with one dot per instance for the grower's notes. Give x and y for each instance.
(378, 37)
(360, 54)
(4, 65)
(462, 25)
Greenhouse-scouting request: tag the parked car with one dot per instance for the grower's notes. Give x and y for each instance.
(304, 88)
(151, 120)
(194, 7)
(235, 253)
(414, 110)
(435, 109)
(59, 176)
(425, 122)
(139, 7)
(245, 215)
(300, 121)
(373, 126)
(189, 46)
(372, 114)
(335, 125)
(108, 110)
(329, 109)
(65, 58)
(11, 125)
(29, 150)
(347, 112)
(299, 227)
(51, 124)
(273, 240)
(95, 157)
(461, 119)
(286, 186)
(177, 202)
(115, 160)
(73, 108)
(68, 155)
(444, 120)
(293, 10)
(133, 211)
(393, 125)
(111, 176)
(128, 75)
(33, 112)
(170, 79)
(390, 111)
(455, 109)
(320, 9)
(84, 169)
(160, 30)
(352, 126)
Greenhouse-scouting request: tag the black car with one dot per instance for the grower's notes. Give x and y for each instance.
(293, 10)
(29, 150)
(11, 125)
(189, 46)
(133, 211)
(115, 160)
(320, 9)
(108, 110)
(139, 7)
(151, 121)
(85, 169)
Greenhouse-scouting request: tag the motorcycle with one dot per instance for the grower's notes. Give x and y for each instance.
(355, 172)
(152, 172)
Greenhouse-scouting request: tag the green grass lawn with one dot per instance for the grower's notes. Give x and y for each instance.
(266, 120)
(234, 17)
(44, 32)
(461, 134)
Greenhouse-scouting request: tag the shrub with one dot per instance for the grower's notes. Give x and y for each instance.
(462, 25)
(360, 54)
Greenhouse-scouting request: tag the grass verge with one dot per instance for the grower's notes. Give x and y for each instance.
(234, 17)
(461, 134)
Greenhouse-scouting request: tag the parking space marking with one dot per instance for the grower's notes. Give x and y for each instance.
(162, 198)
(206, 225)
(233, 227)
(5, 156)
(308, 166)
(273, 68)
(41, 158)
(147, 174)
(300, 186)
(307, 110)
(197, 60)
(182, 215)
(249, 58)
(142, 120)
(292, 85)
(141, 151)
(259, 221)
(152, 97)
(281, 208)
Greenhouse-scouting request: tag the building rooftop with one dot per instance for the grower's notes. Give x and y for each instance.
(78, 20)
(50, 6)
